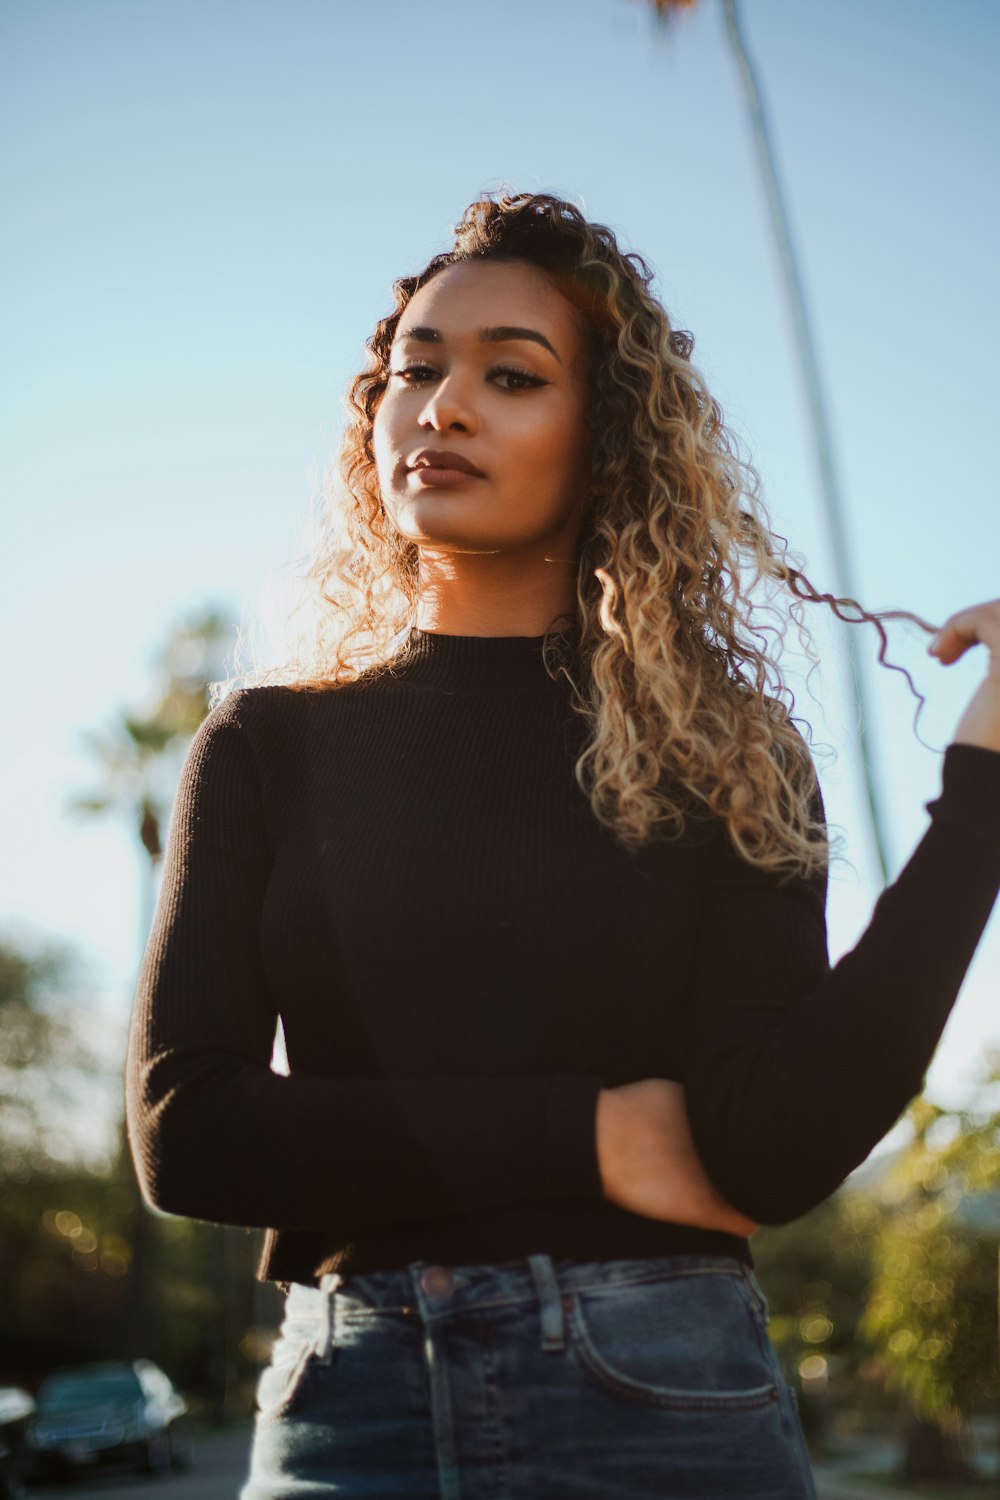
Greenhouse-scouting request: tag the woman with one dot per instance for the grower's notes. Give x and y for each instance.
(529, 858)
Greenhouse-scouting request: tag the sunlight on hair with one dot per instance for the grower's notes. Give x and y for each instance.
(684, 593)
(609, 599)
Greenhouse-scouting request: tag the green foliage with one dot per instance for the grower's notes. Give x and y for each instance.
(815, 1274)
(50, 1300)
(931, 1313)
(87, 1270)
(52, 1062)
(890, 1289)
(66, 1266)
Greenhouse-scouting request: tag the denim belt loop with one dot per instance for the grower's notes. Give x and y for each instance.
(553, 1329)
(326, 1338)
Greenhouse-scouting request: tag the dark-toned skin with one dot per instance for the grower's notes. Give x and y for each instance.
(496, 558)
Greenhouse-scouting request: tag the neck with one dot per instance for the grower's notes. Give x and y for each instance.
(472, 594)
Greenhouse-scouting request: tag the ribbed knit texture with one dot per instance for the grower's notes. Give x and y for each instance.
(406, 871)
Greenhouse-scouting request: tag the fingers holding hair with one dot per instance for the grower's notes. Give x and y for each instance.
(969, 627)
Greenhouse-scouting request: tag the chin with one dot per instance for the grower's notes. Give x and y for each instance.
(437, 525)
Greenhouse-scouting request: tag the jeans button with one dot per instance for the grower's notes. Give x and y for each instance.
(437, 1281)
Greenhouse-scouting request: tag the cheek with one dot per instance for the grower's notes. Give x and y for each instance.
(382, 445)
(550, 445)
(380, 421)
(562, 455)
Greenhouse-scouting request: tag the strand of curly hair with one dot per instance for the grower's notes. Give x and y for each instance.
(676, 667)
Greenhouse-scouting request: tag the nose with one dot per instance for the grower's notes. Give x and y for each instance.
(448, 405)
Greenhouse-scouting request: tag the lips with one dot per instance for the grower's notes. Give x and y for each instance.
(440, 458)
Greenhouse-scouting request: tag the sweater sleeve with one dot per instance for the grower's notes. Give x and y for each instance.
(216, 1134)
(795, 1070)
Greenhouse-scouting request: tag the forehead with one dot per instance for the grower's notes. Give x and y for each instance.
(463, 297)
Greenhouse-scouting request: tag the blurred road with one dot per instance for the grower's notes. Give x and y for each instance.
(218, 1468)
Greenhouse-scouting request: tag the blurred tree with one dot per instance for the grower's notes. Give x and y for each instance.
(815, 1274)
(666, 12)
(65, 1264)
(931, 1313)
(139, 760)
(139, 756)
(50, 1062)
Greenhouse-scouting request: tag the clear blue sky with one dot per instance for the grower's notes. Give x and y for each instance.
(205, 206)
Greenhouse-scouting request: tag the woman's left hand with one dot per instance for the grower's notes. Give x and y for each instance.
(980, 724)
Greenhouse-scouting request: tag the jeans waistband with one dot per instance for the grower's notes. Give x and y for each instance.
(425, 1288)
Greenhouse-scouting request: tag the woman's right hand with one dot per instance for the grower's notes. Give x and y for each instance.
(648, 1162)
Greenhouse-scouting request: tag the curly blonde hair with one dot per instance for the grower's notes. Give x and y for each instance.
(674, 671)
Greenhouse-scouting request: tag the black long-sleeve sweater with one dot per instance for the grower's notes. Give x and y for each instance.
(407, 873)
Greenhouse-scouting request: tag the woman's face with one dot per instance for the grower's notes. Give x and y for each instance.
(461, 381)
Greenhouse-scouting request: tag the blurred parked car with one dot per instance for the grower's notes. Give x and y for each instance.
(16, 1408)
(110, 1413)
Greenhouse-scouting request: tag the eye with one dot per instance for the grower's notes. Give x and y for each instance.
(524, 376)
(513, 371)
(412, 370)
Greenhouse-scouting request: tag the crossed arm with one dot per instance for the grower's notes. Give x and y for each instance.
(794, 1070)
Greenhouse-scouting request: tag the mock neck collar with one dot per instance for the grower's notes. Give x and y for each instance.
(481, 664)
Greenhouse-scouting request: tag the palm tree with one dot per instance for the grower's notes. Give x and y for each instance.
(139, 755)
(833, 510)
(138, 760)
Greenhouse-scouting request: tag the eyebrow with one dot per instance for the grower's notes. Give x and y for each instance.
(500, 335)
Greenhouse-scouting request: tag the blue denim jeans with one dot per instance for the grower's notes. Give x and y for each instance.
(532, 1379)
